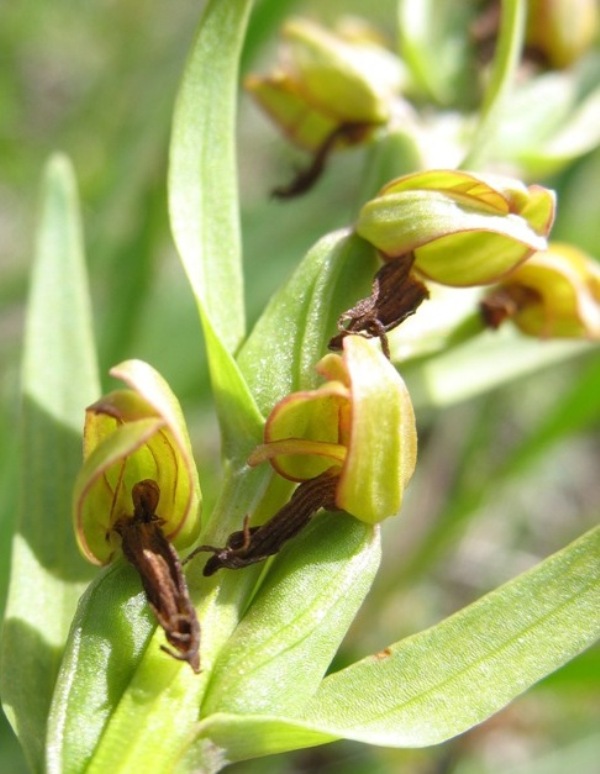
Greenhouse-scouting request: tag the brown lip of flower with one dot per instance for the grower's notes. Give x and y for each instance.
(147, 549)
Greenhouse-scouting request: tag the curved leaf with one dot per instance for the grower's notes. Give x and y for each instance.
(439, 683)
(203, 202)
(443, 681)
(277, 656)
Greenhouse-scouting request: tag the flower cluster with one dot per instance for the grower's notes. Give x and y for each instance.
(350, 444)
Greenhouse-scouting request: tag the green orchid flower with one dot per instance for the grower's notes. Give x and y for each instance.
(360, 422)
(131, 435)
(326, 80)
(562, 30)
(463, 228)
(554, 294)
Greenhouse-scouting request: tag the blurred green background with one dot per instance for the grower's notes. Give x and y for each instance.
(503, 480)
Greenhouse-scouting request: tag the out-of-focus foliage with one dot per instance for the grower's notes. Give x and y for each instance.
(98, 81)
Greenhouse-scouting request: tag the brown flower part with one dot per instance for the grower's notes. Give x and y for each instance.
(396, 294)
(305, 179)
(148, 550)
(255, 544)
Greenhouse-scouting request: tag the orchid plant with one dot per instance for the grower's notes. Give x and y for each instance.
(318, 446)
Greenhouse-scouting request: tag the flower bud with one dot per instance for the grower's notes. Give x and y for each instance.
(361, 422)
(131, 435)
(555, 293)
(464, 228)
(562, 30)
(326, 80)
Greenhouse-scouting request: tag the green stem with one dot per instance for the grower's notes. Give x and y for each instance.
(506, 60)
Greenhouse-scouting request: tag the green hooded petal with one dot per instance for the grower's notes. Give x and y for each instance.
(326, 80)
(464, 229)
(131, 435)
(382, 450)
(562, 294)
(361, 421)
(311, 415)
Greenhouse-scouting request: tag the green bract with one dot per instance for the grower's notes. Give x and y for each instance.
(464, 228)
(361, 420)
(132, 435)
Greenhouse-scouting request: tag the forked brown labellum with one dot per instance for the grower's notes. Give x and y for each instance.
(255, 544)
(159, 567)
(306, 178)
(395, 295)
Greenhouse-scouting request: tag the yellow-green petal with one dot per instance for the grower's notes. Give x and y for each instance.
(353, 81)
(567, 284)
(278, 95)
(312, 415)
(103, 487)
(186, 497)
(382, 450)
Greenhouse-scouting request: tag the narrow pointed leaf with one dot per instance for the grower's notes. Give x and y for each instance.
(107, 641)
(443, 681)
(203, 199)
(59, 380)
(203, 203)
(439, 683)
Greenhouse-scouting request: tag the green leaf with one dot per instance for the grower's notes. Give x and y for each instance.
(439, 683)
(279, 356)
(59, 379)
(551, 120)
(277, 656)
(240, 420)
(109, 634)
(446, 679)
(203, 201)
(490, 359)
